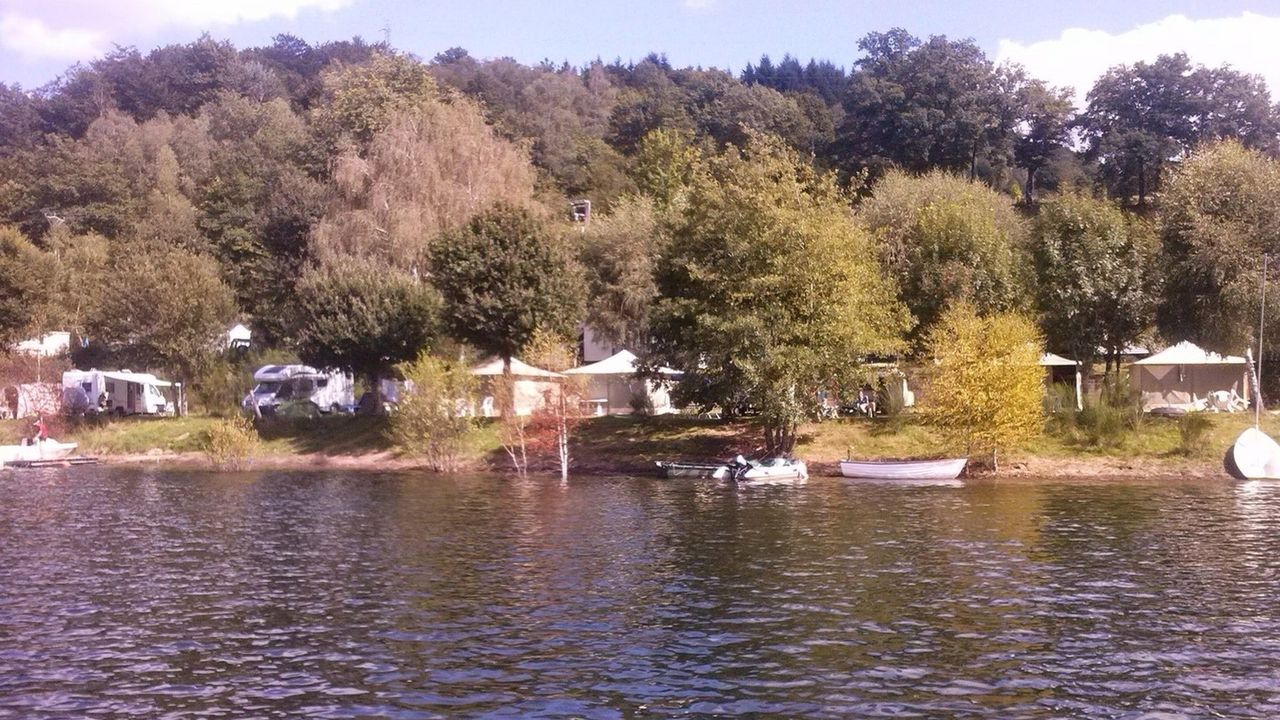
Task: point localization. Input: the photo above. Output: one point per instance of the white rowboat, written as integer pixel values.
(947, 469)
(777, 471)
(1254, 456)
(43, 450)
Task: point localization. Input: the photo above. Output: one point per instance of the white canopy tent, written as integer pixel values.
(1185, 375)
(1067, 372)
(612, 385)
(530, 386)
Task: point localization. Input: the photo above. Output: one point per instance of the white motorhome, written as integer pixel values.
(119, 392)
(277, 384)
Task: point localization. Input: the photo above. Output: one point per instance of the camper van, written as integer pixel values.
(119, 392)
(275, 385)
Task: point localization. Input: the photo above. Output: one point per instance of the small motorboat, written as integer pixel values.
(773, 471)
(945, 469)
(40, 450)
(687, 470)
(1254, 456)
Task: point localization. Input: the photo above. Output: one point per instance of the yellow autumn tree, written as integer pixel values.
(987, 391)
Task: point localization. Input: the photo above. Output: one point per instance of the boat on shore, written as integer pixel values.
(1253, 456)
(41, 450)
(944, 469)
(688, 470)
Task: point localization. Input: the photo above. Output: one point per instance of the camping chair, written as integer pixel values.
(712, 413)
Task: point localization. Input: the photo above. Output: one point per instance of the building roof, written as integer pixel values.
(518, 369)
(1051, 360)
(1188, 353)
(622, 362)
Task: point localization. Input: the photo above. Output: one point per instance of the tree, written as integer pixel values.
(1097, 281)
(665, 165)
(428, 172)
(945, 238)
(433, 418)
(361, 99)
(987, 389)
(170, 310)
(561, 410)
(1142, 116)
(768, 291)
(1219, 216)
(504, 276)
(364, 317)
(922, 105)
(617, 252)
(1045, 129)
(26, 287)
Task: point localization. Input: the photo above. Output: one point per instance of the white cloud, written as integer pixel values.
(1079, 56)
(80, 29)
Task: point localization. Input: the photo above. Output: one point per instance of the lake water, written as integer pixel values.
(162, 594)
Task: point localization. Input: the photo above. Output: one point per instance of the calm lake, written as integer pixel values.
(146, 593)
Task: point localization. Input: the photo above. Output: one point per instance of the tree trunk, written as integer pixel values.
(375, 387)
(1031, 186)
(1142, 182)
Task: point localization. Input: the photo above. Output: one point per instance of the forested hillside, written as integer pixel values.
(150, 199)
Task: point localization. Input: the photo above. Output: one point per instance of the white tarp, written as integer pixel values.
(530, 386)
(1185, 375)
(614, 389)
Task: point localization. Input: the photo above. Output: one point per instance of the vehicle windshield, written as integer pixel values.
(266, 388)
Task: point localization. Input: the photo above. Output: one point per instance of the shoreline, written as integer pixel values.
(1018, 469)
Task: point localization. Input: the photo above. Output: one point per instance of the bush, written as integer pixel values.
(433, 418)
(231, 443)
(1192, 430)
(1106, 421)
(889, 400)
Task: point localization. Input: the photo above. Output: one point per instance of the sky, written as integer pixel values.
(1065, 43)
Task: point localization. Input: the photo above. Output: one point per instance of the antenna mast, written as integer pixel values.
(1262, 320)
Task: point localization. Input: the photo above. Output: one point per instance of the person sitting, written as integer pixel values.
(39, 431)
(867, 401)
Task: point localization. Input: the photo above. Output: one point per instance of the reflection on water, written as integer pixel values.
(150, 594)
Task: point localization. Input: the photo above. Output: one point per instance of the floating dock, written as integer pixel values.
(61, 462)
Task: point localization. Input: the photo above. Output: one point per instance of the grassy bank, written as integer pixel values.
(625, 444)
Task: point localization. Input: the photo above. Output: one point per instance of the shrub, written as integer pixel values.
(433, 418)
(1192, 430)
(231, 443)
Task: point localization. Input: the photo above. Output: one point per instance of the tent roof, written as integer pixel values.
(622, 362)
(239, 332)
(521, 369)
(1187, 353)
(1051, 360)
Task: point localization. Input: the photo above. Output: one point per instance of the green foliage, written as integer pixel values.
(231, 443)
(948, 239)
(665, 165)
(1097, 275)
(768, 290)
(361, 99)
(363, 317)
(986, 394)
(504, 276)
(432, 419)
(1193, 429)
(1105, 422)
(617, 254)
(1220, 214)
(166, 308)
(27, 287)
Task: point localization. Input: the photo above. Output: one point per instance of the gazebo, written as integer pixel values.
(1185, 375)
(612, 385)
(530, 386)
(1061, 371)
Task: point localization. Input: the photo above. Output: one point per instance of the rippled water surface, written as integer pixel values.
(160, 594)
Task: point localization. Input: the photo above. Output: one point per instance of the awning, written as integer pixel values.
(1188, 353)
(518, 368)
(622, 362)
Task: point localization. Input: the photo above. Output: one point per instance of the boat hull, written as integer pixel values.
(45, 450)
(1254, 456)
(947, 469)
(692, 471)
(791, 473)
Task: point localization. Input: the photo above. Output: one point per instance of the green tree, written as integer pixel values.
(768, 290)
(946, 238)
(169, 310)
(1097, 282)
(433, 419)
(504, 276)
(1142, 115)
(666, 163)
(361, 99)
(1044, 131)
(27, 287)
(617, 253)
(1219, 216)
(987, 389)
(364, 317)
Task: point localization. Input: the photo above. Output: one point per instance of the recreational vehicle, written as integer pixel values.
(275, 385)
(119, 392)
